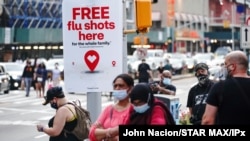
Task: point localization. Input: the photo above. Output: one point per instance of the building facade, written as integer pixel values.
(30, 28)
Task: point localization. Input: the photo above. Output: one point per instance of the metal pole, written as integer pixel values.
(232, 25)
(245, 14)
(173, 38)
(94, 100)
(244, 22)
(203, 29)
(125, 50)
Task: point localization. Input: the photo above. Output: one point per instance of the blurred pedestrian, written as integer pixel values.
(228, 101)
(164, 86)
(168, 66)
(144, 72)
(147, 109)
(160, 69)
(197, 95)
(56, 75)
(221, 74)
(107, 124)
(41, 77)
(28, 75)
(64, 118)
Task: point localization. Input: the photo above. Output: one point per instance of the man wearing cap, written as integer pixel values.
(197, 95)
(65, 117)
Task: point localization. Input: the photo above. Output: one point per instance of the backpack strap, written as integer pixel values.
(75, 116)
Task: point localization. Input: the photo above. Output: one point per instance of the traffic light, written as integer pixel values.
(154, 1)
(143, 14)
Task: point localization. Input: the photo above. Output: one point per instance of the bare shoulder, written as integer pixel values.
(67, 108)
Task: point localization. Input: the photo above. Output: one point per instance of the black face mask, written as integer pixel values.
(203, 79)
(54, 105)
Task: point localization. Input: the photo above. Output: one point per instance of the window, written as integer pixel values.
(156, 25)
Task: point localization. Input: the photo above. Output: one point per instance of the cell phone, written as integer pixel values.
(154, 84)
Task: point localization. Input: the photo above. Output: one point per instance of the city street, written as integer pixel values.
(20, 114)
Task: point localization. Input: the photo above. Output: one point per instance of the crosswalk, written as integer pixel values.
(17, 102)
(18, 98)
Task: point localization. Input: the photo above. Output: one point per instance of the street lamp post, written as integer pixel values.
(232, 24)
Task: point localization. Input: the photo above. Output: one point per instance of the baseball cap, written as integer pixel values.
(200, 66)
(53, 92)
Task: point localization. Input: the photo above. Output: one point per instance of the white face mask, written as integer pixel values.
(120, 94)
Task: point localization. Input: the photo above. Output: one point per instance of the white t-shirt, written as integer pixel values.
(56, 74)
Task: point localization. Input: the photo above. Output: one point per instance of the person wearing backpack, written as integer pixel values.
(64, 118)
(148, 110)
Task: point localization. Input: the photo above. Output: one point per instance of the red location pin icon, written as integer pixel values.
(113, 63)
(91, 58)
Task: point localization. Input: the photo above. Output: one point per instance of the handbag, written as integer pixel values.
(39, 79)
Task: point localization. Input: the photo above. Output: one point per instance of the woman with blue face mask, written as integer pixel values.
(145, 111)
(107, 125)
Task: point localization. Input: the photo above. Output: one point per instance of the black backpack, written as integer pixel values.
(169, 117)
(81, 131)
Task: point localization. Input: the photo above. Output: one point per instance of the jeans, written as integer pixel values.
(28, 83)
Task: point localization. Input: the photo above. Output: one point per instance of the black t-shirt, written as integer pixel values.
(170, 87)
(61, 137)
(233, 104)
(143, 69)
(160, 69)
(197, 99)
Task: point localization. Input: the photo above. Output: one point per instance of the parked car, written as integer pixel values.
(177, 64)
(222, 51)
(4, 80)
(190, 63)
(15, 71)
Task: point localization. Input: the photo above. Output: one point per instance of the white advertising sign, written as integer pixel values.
(93, 44)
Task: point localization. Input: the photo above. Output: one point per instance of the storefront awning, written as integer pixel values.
(187, 39)
(177, 16)
(201, 18)
(196, 18)
(206, 19)
(190, 17)
(184, 17)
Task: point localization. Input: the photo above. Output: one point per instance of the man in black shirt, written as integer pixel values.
(197, 95)
(144, 72)
(228, 101)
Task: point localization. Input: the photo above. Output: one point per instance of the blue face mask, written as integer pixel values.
(166, 81)
(119, 94)
(141, 109)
